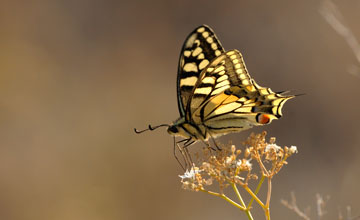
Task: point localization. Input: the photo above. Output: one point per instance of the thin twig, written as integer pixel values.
(320, 204)
(332, 15)
(293, 206)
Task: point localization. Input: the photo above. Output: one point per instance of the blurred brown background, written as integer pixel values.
(78, 76)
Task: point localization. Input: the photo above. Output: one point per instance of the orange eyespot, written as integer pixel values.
(263, 118)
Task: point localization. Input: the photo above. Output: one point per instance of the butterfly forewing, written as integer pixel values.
(199, 49)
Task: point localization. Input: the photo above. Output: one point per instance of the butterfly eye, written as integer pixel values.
(263, 118)
(173, 129)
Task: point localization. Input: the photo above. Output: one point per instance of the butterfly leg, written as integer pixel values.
(189, 142)
(184, 152)
(176, 145)
(216, 145)
(207, 144)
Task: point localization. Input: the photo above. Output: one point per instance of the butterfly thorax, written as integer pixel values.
(185, 129)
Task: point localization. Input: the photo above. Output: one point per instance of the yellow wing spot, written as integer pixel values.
(220, 90)
(245, 82)
(221, 72)
(239, 71)
(209, 40)
(201, 56)
(242, 99)
(271, 96)
(233, 56)
(204, 91)
(223, 83)
(251, 88)
(218, 69)
(252, 101)
(187, 53)
(214, 46)
(230, 52)
(237, 65)
(217, 53)
(235, 61)
(263, 92)
(209, 80)
(210, 69)
(242, 76)
(203, 64)
(205, 34)
(200, 30)
(197, 42)
(244, 110)
(189, 81)
(197, 51)
(251, 104)
(222, 78)
(190, 67)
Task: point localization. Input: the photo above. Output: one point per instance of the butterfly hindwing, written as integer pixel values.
(199, 49)
(226, 99)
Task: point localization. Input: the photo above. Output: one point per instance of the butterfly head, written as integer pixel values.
(173, 129)
(177, 128)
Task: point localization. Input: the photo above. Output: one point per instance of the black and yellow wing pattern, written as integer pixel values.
(216, 94)
(200, 47)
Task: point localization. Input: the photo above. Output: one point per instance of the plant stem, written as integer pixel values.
(256, 191)
(247, 211)
(267, 214)
(242, 208)
(267, 206)
(254, 196)
(269, 192)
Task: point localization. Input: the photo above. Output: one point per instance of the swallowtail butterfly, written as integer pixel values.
(215, 93)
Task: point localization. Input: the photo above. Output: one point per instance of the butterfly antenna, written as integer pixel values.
(284, 92)
(150, 128)
(287, 91)
(301, 94)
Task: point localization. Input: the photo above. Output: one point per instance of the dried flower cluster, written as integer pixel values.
(232, 167)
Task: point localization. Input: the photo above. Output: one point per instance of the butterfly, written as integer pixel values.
(215, 93)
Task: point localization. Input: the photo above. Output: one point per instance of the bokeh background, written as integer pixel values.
(78, 76)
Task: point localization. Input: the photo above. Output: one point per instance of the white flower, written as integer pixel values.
(274, 147)
(190, 174)
(248, 164)
(238, 163)
(293, 149)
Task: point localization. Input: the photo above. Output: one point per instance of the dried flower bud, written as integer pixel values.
(293, 150)
(272, 140)
(247, 152)
(233, 149)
